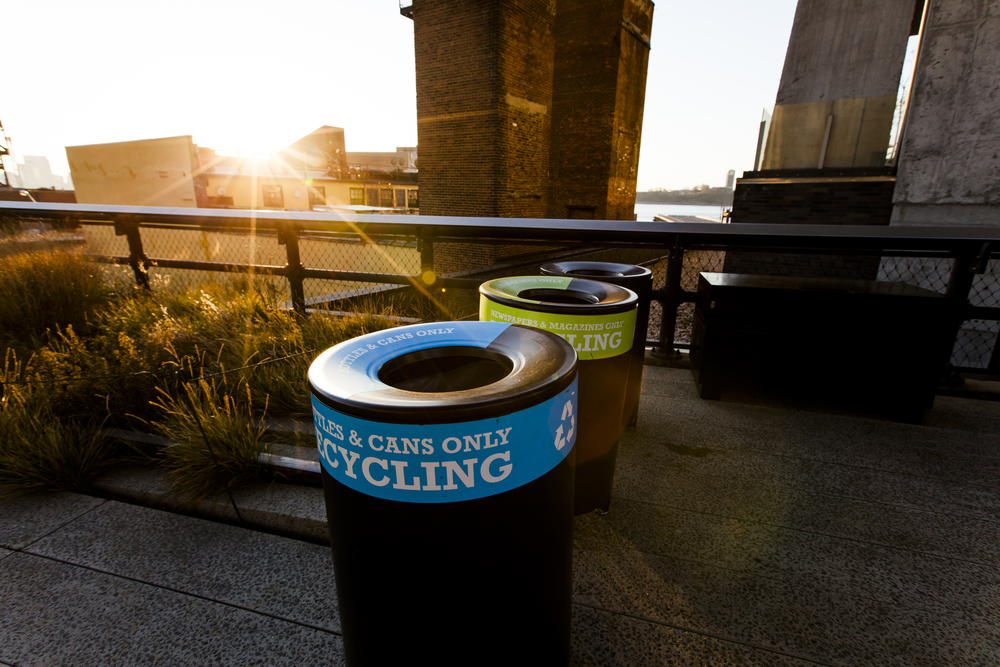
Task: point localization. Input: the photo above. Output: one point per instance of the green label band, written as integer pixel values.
(592, 336)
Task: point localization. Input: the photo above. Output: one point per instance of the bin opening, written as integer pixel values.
(443, 369)
(558, 296)
(592, 273)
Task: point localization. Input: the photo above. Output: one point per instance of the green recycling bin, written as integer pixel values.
(598, 320)
(447, 461)
(636, 278)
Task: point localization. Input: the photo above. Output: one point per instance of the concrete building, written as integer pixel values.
(825, 156)
(150, 172)
(825, 160)
(315, 171)
(837, 94)
(949, 163)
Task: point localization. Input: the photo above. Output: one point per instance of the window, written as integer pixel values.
(385, 197)
(357, 196)
(317, 196)
(400, 198)
(411, 199)
(272, 196)
(371, 195)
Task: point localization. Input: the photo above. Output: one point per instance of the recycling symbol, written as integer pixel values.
(567, 412)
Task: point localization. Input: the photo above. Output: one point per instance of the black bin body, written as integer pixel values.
(636, 278)
(598, 320)
(448, 476)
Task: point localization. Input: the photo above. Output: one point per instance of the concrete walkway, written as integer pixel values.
(748, 531)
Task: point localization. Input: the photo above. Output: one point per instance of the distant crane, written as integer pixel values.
(5, 150)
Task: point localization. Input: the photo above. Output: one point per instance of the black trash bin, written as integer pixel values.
(598, 320)
(636, 278)
(447, 462)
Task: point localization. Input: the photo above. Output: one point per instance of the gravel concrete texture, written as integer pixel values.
(273, 575)
(741, 532)
(60, 614)
(27, 518)
(606, 639)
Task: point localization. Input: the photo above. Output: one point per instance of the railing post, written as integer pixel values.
(288, 237)
(426, 247)
(428, 277)
(125, 225)
(669, 304)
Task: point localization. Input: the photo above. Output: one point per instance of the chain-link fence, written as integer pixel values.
(476, 260)
(974, 345)
(977, 338)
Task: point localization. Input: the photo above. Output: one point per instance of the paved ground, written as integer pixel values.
(748, 531)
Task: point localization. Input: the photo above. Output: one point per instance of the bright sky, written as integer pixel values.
(254, 77)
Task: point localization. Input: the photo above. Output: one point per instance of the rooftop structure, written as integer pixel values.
(174, 171)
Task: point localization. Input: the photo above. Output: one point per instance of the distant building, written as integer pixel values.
(403, 161)
(149, 172)
(731, 179)
(315, 171)
(36, 172)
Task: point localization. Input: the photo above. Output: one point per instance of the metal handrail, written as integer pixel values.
(616, 232)
(971, 247)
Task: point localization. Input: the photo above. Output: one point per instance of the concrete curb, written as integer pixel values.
(288, 510)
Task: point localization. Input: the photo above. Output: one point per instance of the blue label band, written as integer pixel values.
(446, 463)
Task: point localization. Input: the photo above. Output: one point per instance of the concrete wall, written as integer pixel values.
(151, 172)
(601, 58)
(865, 200)
(949, 164)
(844, 58)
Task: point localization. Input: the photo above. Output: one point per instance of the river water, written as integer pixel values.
(645, 212)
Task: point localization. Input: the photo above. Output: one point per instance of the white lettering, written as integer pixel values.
(484, 470)
(458, 445)
(503, 434)
(411, 446)
(371, 442)
(429, 469)
(468, 478)
(326, 454)
(366, 466)
(349, 459)
(400, 466)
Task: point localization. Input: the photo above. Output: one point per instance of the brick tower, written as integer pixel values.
(484, 101)
(601, 55)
